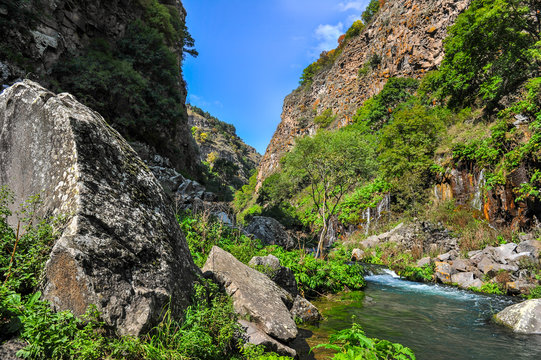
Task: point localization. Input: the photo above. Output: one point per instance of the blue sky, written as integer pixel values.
(252, 53)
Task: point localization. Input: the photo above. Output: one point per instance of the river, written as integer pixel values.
(435, 321)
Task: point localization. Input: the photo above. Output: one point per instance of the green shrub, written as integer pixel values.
(325, 119)
(379, 109)
(354, 30)
(203, 232)
(490, 50)
(352, 343)
(370, 11)
(366, 196)
(317, 276)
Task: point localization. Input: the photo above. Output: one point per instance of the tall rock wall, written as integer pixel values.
(122, 249)
(218, 141)
(37, 35)
(406, 37)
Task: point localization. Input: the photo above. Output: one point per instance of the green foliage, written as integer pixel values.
(166, 19)
(325, 119)
(366, 196)
(370, 11)
(317, 276)
(490, 50)
(379, 109)
(491, 288)
(352, 344)
(244, 200)
(326, 59)
(23, 251)
(320, 161)
(221, 126)
(408, 143)
(203, 232)
(485, 152)
(414, 273)
(133, 84)
(207, 331)
(354, 30)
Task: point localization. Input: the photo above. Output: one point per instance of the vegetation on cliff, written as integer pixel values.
(480, 110)
(227, 160)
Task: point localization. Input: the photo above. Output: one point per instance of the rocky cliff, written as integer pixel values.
(221, 148)
(85, 47)
(403, 39)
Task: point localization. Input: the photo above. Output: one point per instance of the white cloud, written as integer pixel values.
(352, 5)
(327, 36)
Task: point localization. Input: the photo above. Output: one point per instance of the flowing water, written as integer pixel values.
(437, 322)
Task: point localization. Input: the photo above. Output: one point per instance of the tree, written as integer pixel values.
(370, 11)
(331, 163)
(491, 50)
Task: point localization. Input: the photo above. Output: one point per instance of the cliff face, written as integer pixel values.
(40, 35)
(220, 146)
(404, 39)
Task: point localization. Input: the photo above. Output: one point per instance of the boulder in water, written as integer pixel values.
(122, 249)
(524, 318)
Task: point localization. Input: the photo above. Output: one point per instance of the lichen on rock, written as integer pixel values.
(122, 249)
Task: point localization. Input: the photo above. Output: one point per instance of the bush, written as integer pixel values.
(354, 30)
(491, 49)
(316, 277)
(379, 110)
(354, 344)
(325, 119)
(370, 11)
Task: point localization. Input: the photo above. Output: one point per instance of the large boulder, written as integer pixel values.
(305, 311)
(122, 248)
(270, 231)
(524, 317)
(281, 275)
(253, 294)
(257, 337)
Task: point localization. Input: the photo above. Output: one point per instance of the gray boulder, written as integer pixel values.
(503, 252)
(357, 254)
(253, 294)
(531, 246)
(443, 272)
(270, 231)
(122, 248)
(424, 261)
(255, 336)
(524, 317)
(466, 280)
(281, 275)
(8, 350)
(305, 310)
(450, 255)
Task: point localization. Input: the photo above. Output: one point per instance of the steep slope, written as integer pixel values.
(221, 148)
(121, 58)
(403, 39)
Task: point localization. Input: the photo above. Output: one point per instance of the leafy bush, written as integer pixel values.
(133, 84)
(354, 344)
(23, 251)
(492, 48)
(325, 119)
(203, 232)
(366, 196)
(354, 30)
(378, 110)
(317, 276)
